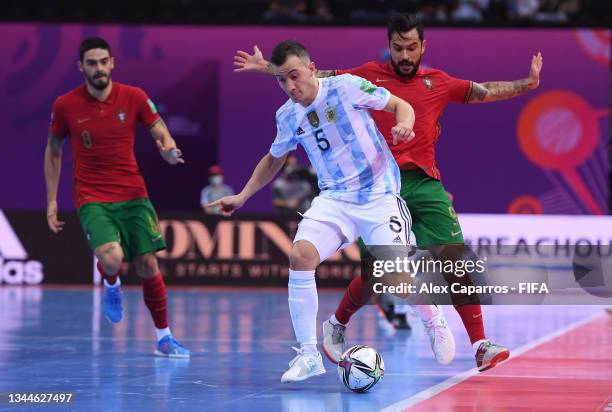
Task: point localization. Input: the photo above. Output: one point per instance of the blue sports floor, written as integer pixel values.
(57, 340)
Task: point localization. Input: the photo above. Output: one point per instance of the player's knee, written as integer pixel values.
(146, 265)
(110, 256)
(303, 256)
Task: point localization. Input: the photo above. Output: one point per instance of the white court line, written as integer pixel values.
(436, 389)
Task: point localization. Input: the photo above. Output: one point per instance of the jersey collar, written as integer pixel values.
(389, 68)
(110, 100)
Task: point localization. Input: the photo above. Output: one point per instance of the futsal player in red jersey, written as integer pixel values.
(435, 222)
(99, 118)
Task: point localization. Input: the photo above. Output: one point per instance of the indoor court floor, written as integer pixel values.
(56, 339)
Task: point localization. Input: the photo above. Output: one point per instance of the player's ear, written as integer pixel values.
(80, 64)
(311, 67)
(112, 62)
(423, 45)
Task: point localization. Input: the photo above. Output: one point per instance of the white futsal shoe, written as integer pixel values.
(305, 365)
(440, 337)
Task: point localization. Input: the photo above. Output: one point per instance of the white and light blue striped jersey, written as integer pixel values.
(351, 157)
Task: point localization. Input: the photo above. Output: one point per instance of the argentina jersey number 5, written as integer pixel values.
(313, 119)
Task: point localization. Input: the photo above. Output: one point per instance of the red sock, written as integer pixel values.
(351, 301)
(154, 292)
(109, 279)
(471, 316)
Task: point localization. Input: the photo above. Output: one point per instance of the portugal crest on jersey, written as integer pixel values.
(428, 82)
(313, 119)
(121, 116)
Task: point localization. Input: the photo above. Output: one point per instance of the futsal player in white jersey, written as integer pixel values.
(358, 178)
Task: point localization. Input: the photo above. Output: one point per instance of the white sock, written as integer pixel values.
(477, 344)
(335, 321)
(116, 285)
(309, 347)
(303, 305)
(401, 309)
(426, 312)
(162, 332)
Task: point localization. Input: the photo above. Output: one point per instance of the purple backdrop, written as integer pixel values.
(524, 154)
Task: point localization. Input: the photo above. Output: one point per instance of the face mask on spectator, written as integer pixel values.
(216, 180)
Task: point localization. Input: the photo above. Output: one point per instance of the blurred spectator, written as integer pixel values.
(523, 9)
(214, 191)
(369, 10)
(470, 10)
(293, 190)
(321, 12)
(558, 10)
(476, 12)
(434, 10)
(286, 10)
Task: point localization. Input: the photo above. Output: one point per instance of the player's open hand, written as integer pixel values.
(172, 155)
(54, 224)
(401, 133)
(534, 71)
(227, 204)
(245, 62)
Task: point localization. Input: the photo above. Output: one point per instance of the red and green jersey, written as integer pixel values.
(102, 138)
(429, 91)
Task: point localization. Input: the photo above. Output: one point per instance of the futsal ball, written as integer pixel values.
(360, 368)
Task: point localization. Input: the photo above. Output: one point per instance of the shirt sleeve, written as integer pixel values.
(204, 197)
(285, 140)
(458, 89)
(360, 71)
(364, 94)
(147, 111)
(58, 125)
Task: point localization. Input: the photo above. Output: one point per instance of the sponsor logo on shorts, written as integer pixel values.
(397, 240)
(457, 233)
(299, 131)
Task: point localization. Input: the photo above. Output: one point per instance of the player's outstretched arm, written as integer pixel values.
(165, 143)
(404, 115)
(245, 62)
(494, 91)
(266, 169)
(53, 167)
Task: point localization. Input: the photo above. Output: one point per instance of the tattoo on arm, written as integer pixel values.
(55, 143)
(326, 73)
(494, 91)
(477, 93)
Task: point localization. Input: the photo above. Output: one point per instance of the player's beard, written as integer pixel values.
(99, 83)
(411, 73)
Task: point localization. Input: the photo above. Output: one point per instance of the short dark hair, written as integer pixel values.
(93, 43)
(401, 23)
(288, 48)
